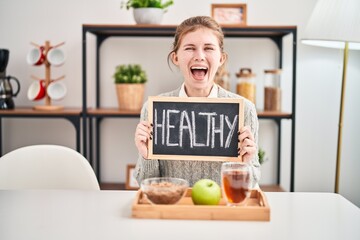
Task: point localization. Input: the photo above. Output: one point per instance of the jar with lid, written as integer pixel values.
(246, 84)
(272, 90)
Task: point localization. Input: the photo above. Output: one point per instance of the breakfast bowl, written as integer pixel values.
(164, 190)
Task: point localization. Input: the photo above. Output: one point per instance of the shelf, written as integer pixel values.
(274, 115)
(169, 30)
(73, 115)
(111, 112)
(103, 31)
(115, 112)
(29, 111)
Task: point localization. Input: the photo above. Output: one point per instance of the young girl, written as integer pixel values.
(198, 52)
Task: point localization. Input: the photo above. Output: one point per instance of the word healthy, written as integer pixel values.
(177, 127)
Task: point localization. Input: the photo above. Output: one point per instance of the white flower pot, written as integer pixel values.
(148, 15)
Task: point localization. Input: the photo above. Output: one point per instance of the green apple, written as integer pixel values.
(206, 192)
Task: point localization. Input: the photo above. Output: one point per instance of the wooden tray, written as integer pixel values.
(256, 209)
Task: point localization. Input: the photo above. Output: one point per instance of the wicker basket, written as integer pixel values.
(130, 95)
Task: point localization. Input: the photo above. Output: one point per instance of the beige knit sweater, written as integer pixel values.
(195, 170)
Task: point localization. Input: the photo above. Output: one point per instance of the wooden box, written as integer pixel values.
(256, 208)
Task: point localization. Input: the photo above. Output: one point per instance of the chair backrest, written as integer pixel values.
(46, 167)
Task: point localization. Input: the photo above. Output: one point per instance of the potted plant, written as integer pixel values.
(130, 86)
(261, 155)
(148, 11)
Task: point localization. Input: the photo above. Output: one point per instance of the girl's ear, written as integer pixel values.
(174, 58)
(223, 58)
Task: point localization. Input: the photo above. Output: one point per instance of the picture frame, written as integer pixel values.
(131, 183)
(229, 14)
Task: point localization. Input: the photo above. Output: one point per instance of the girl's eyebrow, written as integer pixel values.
(191, 44)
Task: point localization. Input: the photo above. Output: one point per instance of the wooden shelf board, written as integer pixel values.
(112, 111)
(274, 114)
(112, 186)
(272, 188)
(164, 26)
(169, 30)
(104, 112)
(116, 111)
(32, 112)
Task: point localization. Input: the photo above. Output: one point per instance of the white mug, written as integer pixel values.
(56, 57)
(36, 56)
(56, 90)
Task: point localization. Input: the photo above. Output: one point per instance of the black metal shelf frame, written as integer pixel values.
(73, 119)
(102, 32)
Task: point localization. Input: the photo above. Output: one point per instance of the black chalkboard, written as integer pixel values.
(195, 128)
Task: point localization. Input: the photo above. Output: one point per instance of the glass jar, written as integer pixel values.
(272, 90)
(222, 77)
(246, 84)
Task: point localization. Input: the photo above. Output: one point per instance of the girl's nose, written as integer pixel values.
(199, 55)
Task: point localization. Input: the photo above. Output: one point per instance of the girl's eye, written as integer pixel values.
(209, 48)
(189, 48)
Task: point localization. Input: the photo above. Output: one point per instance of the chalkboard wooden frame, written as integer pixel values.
(174, 100)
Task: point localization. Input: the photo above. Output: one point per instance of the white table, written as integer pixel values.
(58, 214)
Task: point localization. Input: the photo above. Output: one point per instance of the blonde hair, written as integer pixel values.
(192, 24)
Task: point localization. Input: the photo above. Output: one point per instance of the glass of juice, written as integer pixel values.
(236, 182)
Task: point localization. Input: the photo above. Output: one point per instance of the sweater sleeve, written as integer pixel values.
(251, 120)
(145, 168)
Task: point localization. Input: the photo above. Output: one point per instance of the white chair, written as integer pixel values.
(46, 167)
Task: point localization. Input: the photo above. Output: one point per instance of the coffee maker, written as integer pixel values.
(6, 91)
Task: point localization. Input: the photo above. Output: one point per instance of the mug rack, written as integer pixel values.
(48, 80)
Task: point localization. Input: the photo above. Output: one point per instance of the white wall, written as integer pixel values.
(318, 84)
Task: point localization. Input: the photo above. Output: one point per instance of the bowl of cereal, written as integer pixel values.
(164, 190)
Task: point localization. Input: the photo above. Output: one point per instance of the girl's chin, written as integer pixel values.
(199, 85)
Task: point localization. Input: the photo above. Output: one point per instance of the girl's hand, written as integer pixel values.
(142, 134)
(247, 146)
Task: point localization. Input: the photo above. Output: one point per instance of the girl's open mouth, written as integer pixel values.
(199, 72)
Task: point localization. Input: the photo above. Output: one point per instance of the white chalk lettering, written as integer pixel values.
(232, 128)
(157, 125)
(184, 115)
(219, 130)
(196, 144)
(208, 125)
(175, 123)
(169, 126)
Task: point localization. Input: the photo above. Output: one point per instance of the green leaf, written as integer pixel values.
(261, 154)
(147, 3)
(131, 73)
